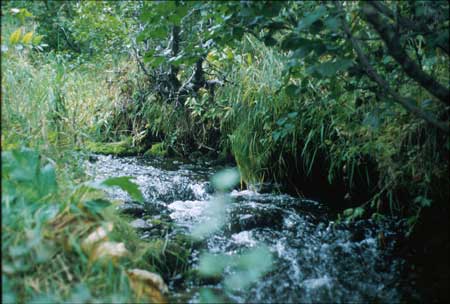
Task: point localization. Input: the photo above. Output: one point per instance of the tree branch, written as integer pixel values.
(407, 103)
(386, 31)
(141, 64)
(175, 48)
(407, 23)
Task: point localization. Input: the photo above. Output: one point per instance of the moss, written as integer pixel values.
(119, 148)
(157, 149)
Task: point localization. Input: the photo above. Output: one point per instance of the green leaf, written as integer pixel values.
(276, 135)
(289, 127)
(141, 36)
(310, 18)
(292, 115)
(125, 184)
(330, 68)
(226, 179)
(80, 294)
(251, 266)
(24, 164)
(292, 90)
(37, 39)
(372, 121)
(348, 212)
(47, 180)
(156, 32)
(154, 61)
(423, 201)
(213, 264)
(358, 212)
(333, 23)
(96, 206)
(281, 121)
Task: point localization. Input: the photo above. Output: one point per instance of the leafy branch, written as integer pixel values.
(407, 103)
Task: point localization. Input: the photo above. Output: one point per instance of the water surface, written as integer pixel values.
(315, 260)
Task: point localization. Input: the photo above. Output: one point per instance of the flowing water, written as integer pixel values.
(315, 260)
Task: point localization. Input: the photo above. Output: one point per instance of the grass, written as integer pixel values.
(53, 107)
(51, 104)
(376, 146)
(44, 226)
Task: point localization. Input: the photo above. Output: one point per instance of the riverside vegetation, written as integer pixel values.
(345, 102)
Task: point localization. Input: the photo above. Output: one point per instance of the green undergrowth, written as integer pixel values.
(53, 111)
(46, 219)
(45, 225)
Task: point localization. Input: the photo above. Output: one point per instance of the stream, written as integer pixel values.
(314, 259)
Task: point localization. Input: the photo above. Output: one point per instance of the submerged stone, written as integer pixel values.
(247, 217)
(140, 224)
(132, 209)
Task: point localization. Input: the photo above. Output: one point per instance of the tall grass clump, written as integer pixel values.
(254, 104)
(48, 102)
(289, 128)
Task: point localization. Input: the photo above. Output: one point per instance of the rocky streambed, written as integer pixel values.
(314, 259)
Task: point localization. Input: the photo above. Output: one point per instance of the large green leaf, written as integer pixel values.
(22, 175)
(226, 179)
(125, 183)
(330, 68)
(292, 90)
(310, 18)
(294, 41)
(22, 165)
(47, 180)
(213, 264)
(96, 206)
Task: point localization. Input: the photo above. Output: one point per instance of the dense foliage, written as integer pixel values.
(344, 101)
(356, 90)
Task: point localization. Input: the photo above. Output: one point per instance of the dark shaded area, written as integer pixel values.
(427, 252)
(337, 195)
